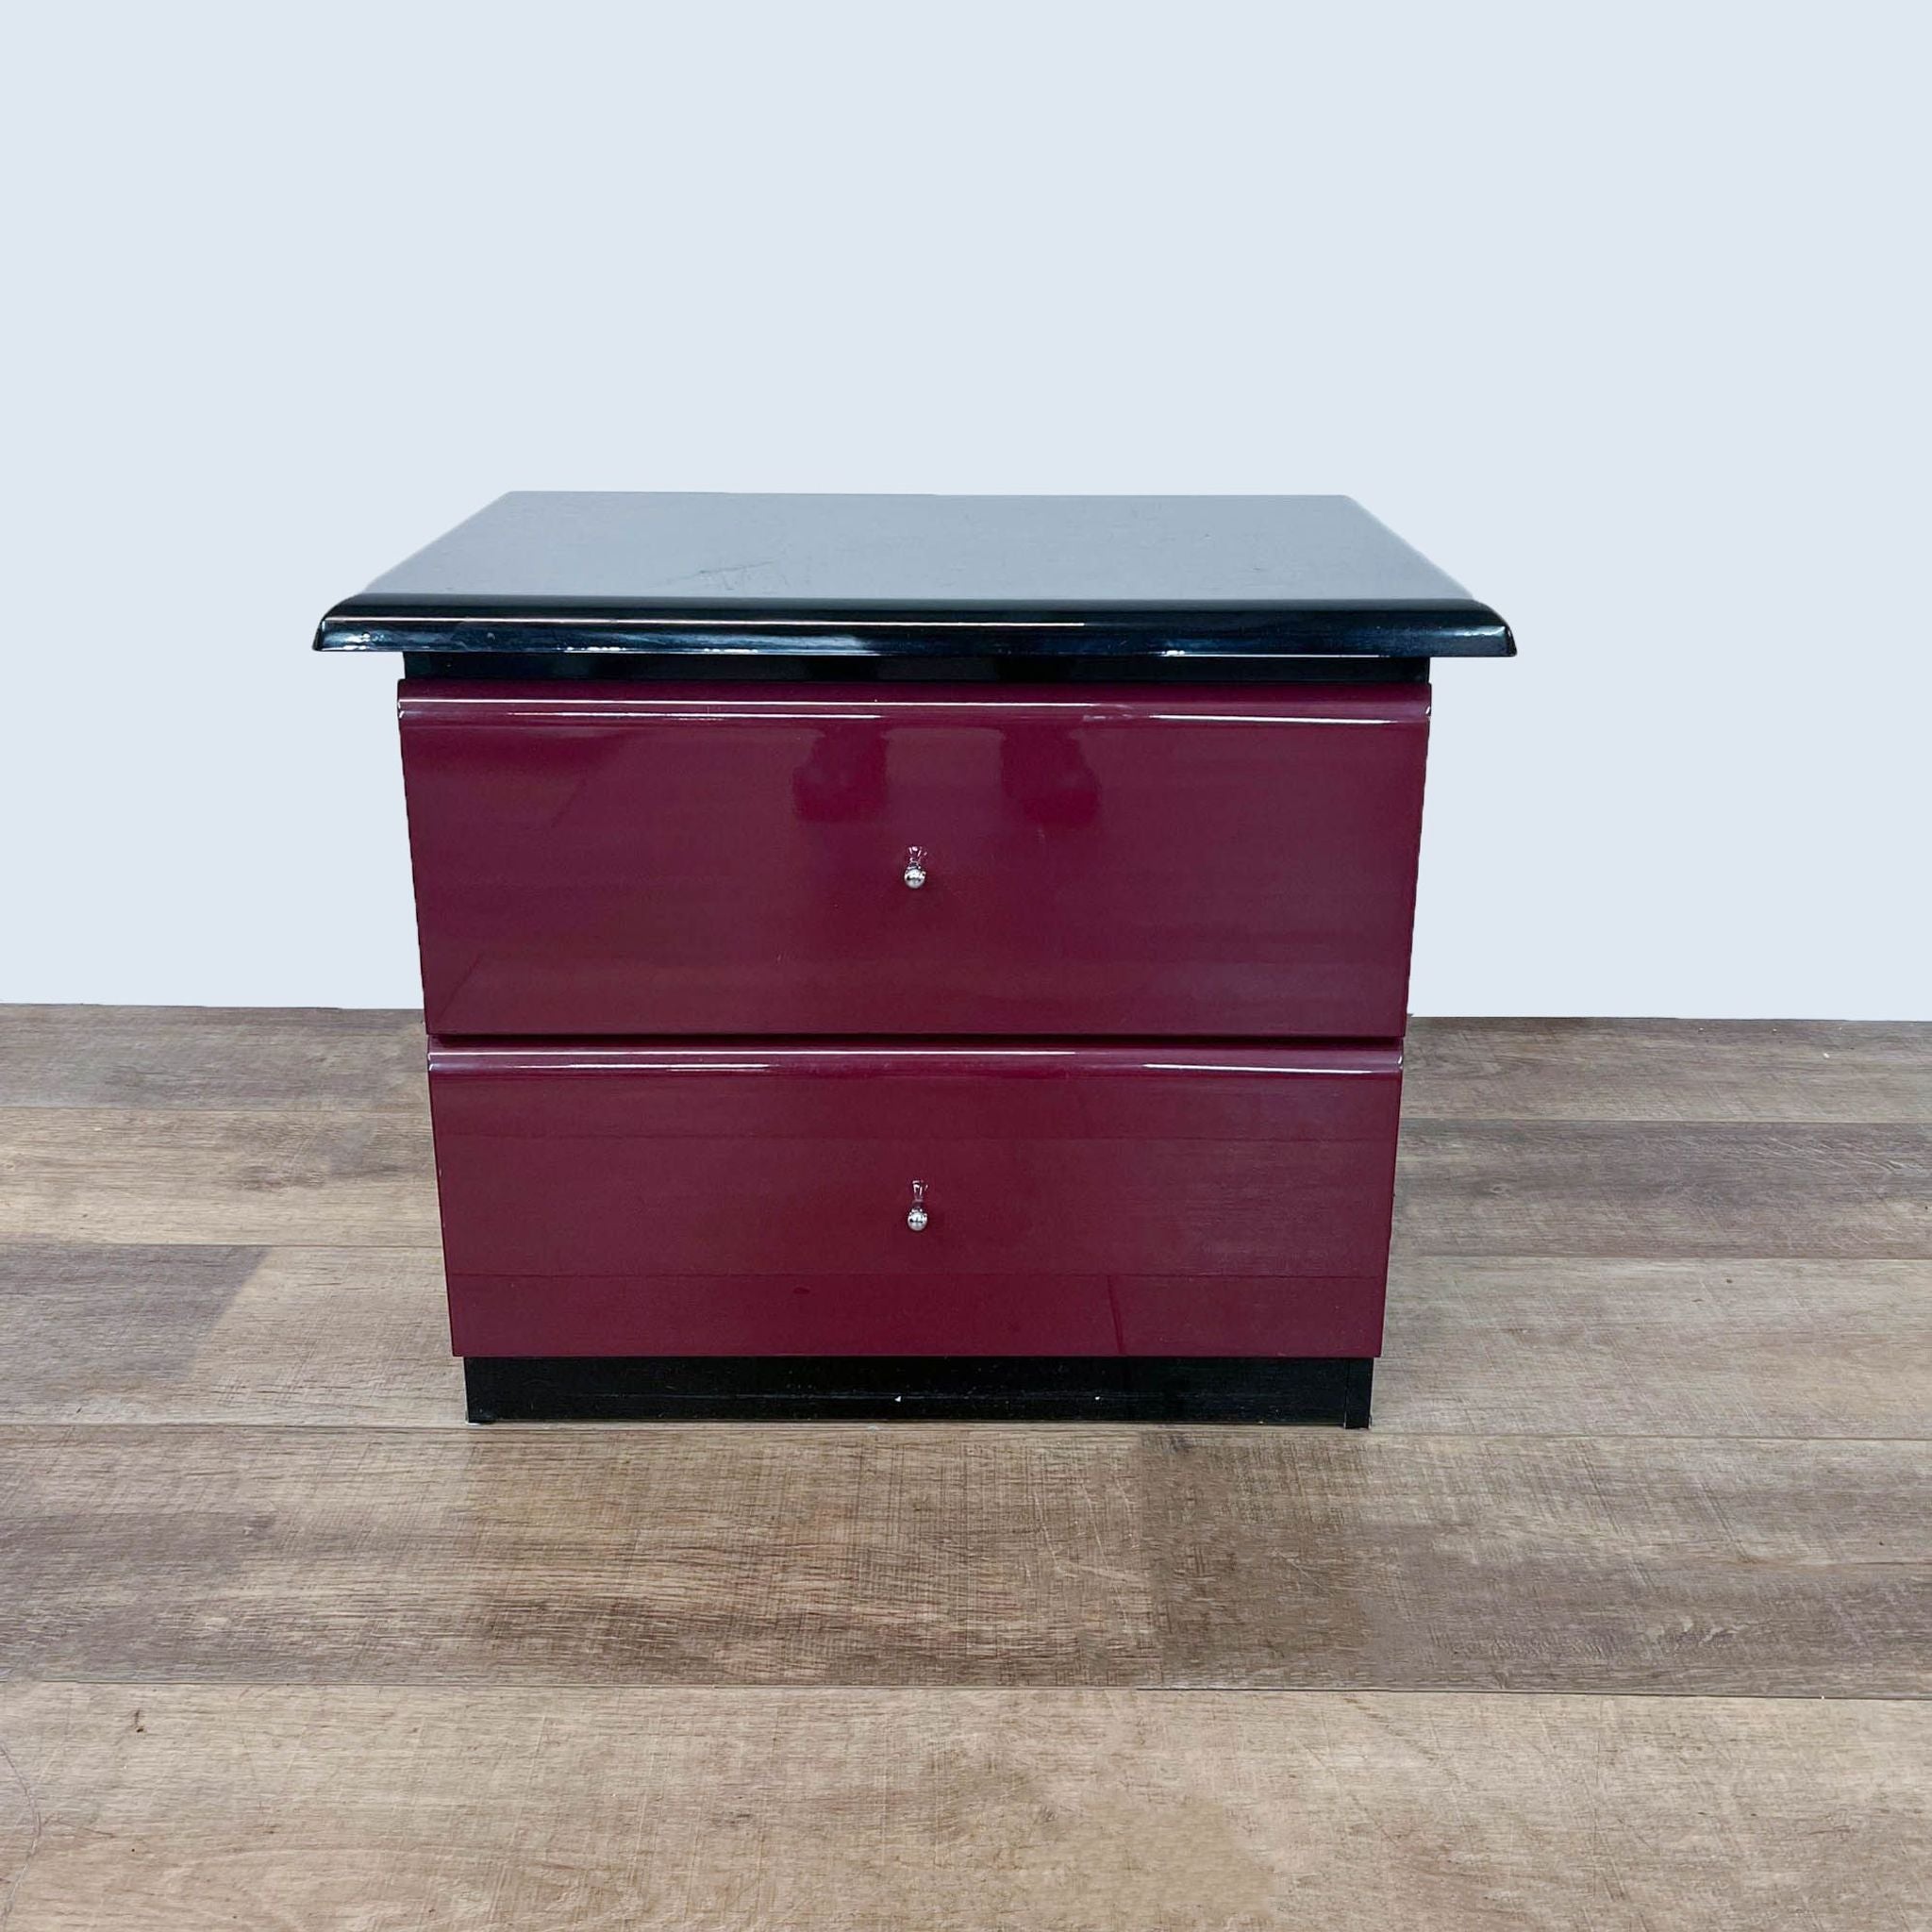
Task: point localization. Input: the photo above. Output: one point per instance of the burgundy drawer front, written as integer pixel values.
(616, 861)
(752, 1199)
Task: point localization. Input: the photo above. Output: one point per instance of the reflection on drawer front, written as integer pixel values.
(598, 859)
(1051, 1199)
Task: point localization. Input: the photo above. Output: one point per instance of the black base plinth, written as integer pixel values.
(1044, 1388)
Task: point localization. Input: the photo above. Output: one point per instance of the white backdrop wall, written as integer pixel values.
(1619, 312)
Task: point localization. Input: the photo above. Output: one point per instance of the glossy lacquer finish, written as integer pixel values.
(1114, 861)
(1017, 580)
(753, 1198)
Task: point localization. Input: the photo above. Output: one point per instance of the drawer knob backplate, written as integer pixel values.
(915, 866)
(916, 1216)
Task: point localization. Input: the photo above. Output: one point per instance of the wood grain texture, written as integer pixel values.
(679, 1554)
(976, 1678)
(1859, 1071)
(300, 1060)
(716, 1554)
(1477, 1345)
(1760, 1568)
(124, 1333)
(331, 1179)
(1665, 1190)
(1507, 1345)
(171, 1809)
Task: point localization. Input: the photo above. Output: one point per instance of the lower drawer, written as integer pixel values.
(762, 1199)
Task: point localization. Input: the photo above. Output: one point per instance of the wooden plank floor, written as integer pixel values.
(1619, 1617)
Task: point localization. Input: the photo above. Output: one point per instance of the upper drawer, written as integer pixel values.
(628, 859)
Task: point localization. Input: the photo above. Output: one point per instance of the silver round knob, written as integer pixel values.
(915, 866)
(916, 1216)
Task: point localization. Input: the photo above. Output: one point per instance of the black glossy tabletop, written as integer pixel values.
(543, 573)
